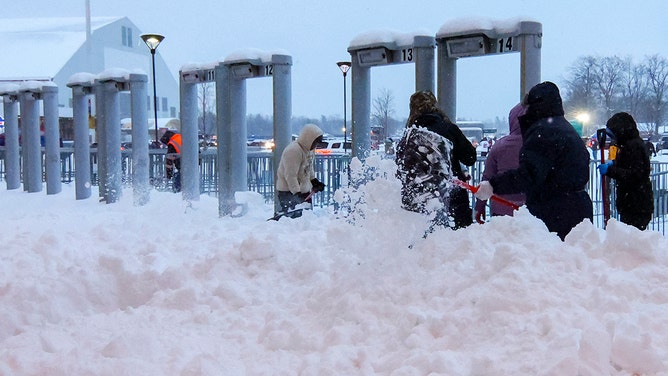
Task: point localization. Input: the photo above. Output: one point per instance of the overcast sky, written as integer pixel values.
(317, 34)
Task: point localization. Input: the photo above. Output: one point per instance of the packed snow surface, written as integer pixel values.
(171, 288)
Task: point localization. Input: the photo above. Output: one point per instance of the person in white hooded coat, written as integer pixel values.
(296, 175)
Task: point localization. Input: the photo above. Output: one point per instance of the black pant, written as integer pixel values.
(459, 207)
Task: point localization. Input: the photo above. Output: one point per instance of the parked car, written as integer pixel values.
(663, 142)
(334, 147)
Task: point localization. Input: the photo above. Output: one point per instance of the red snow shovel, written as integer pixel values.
(601, 136)
(496, 198)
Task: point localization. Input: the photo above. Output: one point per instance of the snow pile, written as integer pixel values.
(171, 289)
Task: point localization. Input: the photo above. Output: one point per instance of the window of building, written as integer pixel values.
(126, 36)
(130, 37)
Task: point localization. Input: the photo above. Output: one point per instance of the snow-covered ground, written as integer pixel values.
(172, 289)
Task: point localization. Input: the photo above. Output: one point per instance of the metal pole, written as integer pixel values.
(345, 121)
(155, 99)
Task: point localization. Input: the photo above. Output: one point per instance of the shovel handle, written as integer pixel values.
(496, 198)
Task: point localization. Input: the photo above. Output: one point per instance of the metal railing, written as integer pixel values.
(328, 170)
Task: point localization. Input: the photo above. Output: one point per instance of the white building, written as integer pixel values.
(56, 48)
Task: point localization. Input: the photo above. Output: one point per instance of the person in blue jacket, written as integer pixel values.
(630, 169)
(553, 170)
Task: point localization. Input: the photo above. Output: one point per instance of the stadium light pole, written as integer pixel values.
(344, 66)
(152, 41)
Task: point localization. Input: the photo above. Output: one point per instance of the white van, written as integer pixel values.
(334, 147)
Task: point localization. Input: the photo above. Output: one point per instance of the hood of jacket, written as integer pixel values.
(542, 101)
(514, 118)
(307, 135)
(623, 127)
(428, 119)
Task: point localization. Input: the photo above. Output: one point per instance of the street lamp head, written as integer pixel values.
(583, 117)
(344, 66)
(152, 40)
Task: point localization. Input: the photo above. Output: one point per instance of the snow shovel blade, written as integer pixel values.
(290, 214)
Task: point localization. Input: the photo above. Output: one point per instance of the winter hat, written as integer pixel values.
(623, 126)
(544, 100)
(422, 101)
(166, 136)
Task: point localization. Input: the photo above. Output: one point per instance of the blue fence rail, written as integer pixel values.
(328, 170)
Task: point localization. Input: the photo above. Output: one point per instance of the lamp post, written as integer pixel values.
(152, 41)
(344, 66)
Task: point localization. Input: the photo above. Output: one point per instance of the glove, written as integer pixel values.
(318, 186)
(603, 168)
(480, 216)
(485, 191)
(301, 197)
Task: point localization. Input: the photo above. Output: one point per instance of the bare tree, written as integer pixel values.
(206, 96)
(580, 87)
(656, 68)
(634, 86)
(383, 109)
(607, 75)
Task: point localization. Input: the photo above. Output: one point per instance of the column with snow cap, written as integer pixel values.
(51, 139)
(140, 158)
(189, 78)
(380, 48)
(282, 73)
(10, 101)
(82, 87)
(464, 38)
(111, 83)
(29, 93)
(231, 107)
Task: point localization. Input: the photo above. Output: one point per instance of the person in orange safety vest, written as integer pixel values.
(173, 158)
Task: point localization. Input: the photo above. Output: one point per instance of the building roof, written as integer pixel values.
(39, 47)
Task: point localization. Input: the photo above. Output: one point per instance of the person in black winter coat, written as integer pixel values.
(554, 165)
(630, 169)
(429, 155)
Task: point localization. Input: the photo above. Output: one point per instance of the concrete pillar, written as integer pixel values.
(360, 108)
(51, 139)
(140, 157)
(100, 139)
(425, 63)
(282, 112)
(447, 82)
(30, 141)
(222, 73)
(190, 187)
(81, 142)
(113, 189)
(12, 150)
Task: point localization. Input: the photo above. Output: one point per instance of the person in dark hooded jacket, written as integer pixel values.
(554, 165)
(429, 155)
(630, 169)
